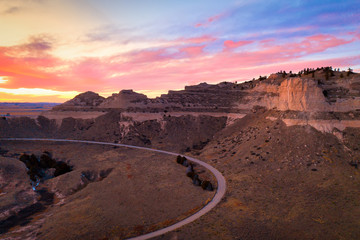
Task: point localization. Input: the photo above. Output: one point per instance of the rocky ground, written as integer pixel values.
(110, 193)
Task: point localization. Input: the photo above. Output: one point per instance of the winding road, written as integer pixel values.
(216, 199)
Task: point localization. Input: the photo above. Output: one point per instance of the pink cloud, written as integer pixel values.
(194, 40)
(215, 18)
(319, 43)
(232, 44)
(211, 20)
(199, 25)
(192, 51)
(294, 29)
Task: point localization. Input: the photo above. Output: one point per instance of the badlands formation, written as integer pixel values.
(288, 146)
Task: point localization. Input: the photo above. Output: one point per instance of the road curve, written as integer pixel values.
(216, 199)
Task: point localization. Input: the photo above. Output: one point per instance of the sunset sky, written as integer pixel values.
(52, 50)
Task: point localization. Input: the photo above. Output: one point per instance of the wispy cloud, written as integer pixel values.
(231, 44)
(211, 20)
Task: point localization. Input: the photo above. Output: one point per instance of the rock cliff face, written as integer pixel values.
(310, 95)
(293, 94)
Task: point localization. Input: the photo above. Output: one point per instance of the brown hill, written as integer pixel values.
(84, 100)
(124, 99)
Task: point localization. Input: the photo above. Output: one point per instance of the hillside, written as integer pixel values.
(282, 183)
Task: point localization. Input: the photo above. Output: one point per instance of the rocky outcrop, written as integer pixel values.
(124, 99)
(308, 95)
(84, 100)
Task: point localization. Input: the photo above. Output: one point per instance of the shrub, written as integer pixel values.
(61, 168)
(206, 185)
(325, 93)
(33, 160)
(46, 161)
(190, 174)
(190, 168)
(182, 160)
(25, 158)
(179, 159)
(196, 182)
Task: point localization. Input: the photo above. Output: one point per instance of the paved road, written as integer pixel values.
(216, 199)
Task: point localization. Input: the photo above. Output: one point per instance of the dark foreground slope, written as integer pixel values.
(283, 183)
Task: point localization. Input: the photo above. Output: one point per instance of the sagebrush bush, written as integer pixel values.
(206, 185)
(190, 175)
(179, 159)
(196, 180)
